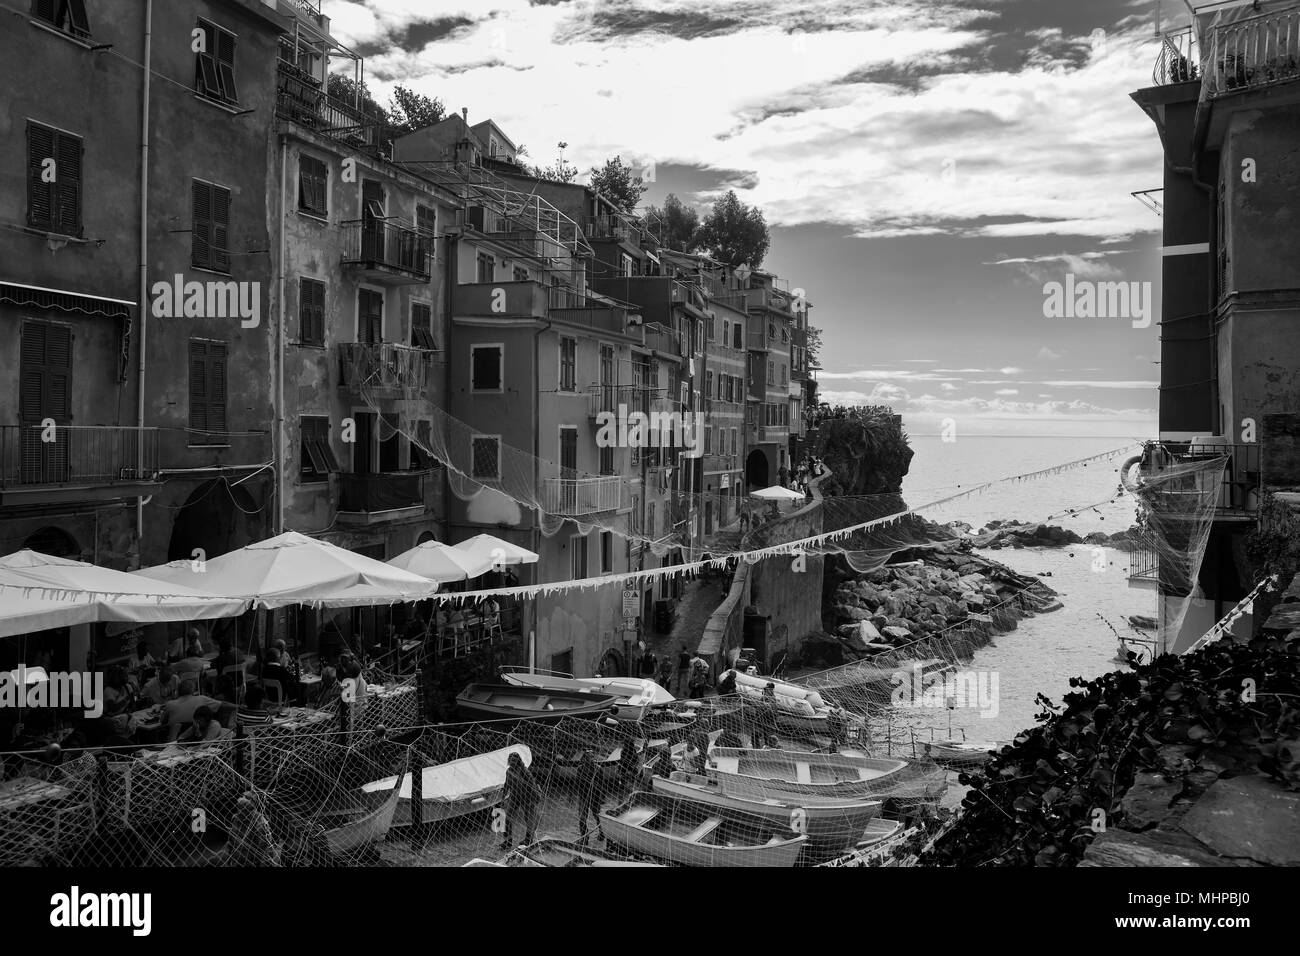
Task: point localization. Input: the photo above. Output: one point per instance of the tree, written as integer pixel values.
(617, 183)
(814, 347)
(560, 171)
(409, 110)
(355, 95)
(676, 224)
(734, 232)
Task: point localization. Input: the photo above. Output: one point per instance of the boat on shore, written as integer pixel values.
(830, 825)
(791, 774)
(367, 826)
(633, 695)
(452, 789)
(507, 701)
(691, 834)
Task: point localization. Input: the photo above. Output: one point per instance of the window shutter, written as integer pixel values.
(220, 229)
(78, 22)
(68, 151)
(201, 225)
(217, 386)
(32, 389)
(40, 195)
(226, 65)
(198, 385)
(47, 10)
(205, 64)
(58, 373)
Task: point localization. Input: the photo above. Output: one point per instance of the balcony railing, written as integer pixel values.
(582, 496)
(76, 455)
(613, 226)
(1253, 53)
(609, 398)
(371, 494)
(383, 366)
(1242, 478)
(1177, 60)
(1143, 566)
(665, 340)
(386, 251)
(300, 99)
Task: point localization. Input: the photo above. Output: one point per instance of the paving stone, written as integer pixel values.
(1250, 817)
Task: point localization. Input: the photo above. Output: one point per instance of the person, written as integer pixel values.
(628, 766)
(204, 727)
(191, 645)
(274, 670)
(744, 518)
(227, 684)
(522, 796)
(683, 671)
(589, 793)
(783, 475)
(163, 686)
(765, 718)
(727, 685)
(699, 676)
(328, 690)
(192, 663)
(117, 698)
(665, 672)
(649, 663)
(143, 660)
(287, 660)
(838, 725)
(663, 767)
(251, 711)
(252, 842)
(693, 758)
(179, 713)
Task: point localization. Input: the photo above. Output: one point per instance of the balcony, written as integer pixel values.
(665, 341)
(514, 299)
(371, 499)
(1143, 568)
(1251, 54)
(610, 398)
(714, 463)
(386, 253)
(383, 367)
(593, 315)
(76, 463)
(1239, 493)
(613, 226)
(300, 99)
(756, 339)
(574, 497)
(1177, 60)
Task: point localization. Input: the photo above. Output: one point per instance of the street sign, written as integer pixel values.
(631, 603)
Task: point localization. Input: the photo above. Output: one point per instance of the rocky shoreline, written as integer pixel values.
(1021, 534)
(944, 601)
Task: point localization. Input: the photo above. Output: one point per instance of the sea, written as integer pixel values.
(1046, 650)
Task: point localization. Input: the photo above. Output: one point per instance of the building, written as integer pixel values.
(1226, 104)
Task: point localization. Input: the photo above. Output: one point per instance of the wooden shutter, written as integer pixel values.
(198, 385)
(67, 186)
(201, 225)
(78, 22)
(220, 229)
(422, 325)
(225, 57)
(206, 80)
(32, 388)
(40, 195)
(311, 311)
(47, 10)
(217, 386)
(45, 389)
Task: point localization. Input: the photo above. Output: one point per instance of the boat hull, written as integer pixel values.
(371, 828)
(793, 775)
(830, 827)
(679, 832)
(452, 789)
(511, 702)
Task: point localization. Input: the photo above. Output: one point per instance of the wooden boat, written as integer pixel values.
(498, 701)
(550, 852)
(452, 789)
(792, 774)
(691, 834)
(878, 831)
(830, 826)
(634, 695)
(957, 754)
(367, 828)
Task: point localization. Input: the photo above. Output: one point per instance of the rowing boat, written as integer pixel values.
(455, 788)
(791, 774)
(498, 701)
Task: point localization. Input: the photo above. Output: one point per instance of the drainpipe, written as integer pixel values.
(279, 347)
(537, 472)
(144, 268)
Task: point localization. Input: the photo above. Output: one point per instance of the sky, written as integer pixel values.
(926, 167)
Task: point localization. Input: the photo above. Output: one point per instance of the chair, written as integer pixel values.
(274, 691)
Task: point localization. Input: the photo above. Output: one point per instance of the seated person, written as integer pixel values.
(179, 713)
(142, 660)
(251, 711)
(287, 660)
(193, 664)
(274, 669)
(204, 727)
(227, 684)
(328, 690)
(191, 645)
(162, 687)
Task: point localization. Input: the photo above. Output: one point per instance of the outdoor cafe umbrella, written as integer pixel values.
(497, 551)
(292, 568)
(441, 562)
(777, 493)
(40, 591)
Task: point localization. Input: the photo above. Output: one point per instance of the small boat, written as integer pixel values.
(453, 789)
(1143, 622)
(367, 828)
(878, 831)
(793, 774)
(498, 701)
(634, 695)
(956, 754)
(691, 834)
(550, 852)
(830, 826)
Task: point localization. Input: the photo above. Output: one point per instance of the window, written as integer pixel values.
(485, 452)
(53, 180)
(313, 178)
(568, 364)
(66, 15)
(214, 65)
(487, 368)
(426, 220)
(625, 265)
(713, 328)
(737, 335)
(708, 384)
(726, 332)
(520, 274)
(311, 312)
(487, 267)
(210, 226)
(650, 521)
(45, 374)
(785, 334)
(771, 373)
(606, 552)
(578, 556)
(607, 460)
(422, 326)
(562, 663)
(735, 442)
(370, 316)
(316, 458)
(708, 441)
(784, 379)
(421, 459)
(207, 392)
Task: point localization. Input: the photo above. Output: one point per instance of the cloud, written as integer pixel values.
(1047, 355)
(1088, 265)
(1007, 391)
(1100, 383)
(948, 387)
(999, 408)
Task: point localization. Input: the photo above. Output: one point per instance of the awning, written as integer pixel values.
(61, 300)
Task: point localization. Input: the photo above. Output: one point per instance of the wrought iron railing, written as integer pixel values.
(1253, 53)
(1242, 483)
(387, 246)
(383, 365)
(610, 398)
(76, 454)
(582, 496)
(1177, 60)
(367, 494)
(1143, 566)
(300, 99)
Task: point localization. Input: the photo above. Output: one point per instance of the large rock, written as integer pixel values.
(855, 613)
(1148, 801)
(897, 633)
(1153, 848)
(1248, 818)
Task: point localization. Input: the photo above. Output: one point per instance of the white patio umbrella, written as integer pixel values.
(441, 562)
(40, 591)
(497, 551)
(777, 493)
(292, 568)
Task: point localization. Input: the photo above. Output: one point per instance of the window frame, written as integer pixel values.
(415, 338)
(304, 176)
(315, 450)
(63, 10)
(211, 59)
(218, 254)
(473, 458)
(568, 363)
(574, 540)
(203, 430)
(501, 368)
(303, 328)
(57, 193)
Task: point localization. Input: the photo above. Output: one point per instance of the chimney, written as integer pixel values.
(464, 114)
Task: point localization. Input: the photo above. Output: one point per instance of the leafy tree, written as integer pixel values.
(560, 171)
(618, 184)
(356, 95)
(814, 347)
(410, 110)
(734, 232)
(676, 224)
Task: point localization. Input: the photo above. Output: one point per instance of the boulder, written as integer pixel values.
(856, 614)
(897, 634)
(1248, 818)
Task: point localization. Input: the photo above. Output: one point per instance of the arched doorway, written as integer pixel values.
(53, 541)
(215, 519)
(425, 536)
(611, 664)
(756, 470)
